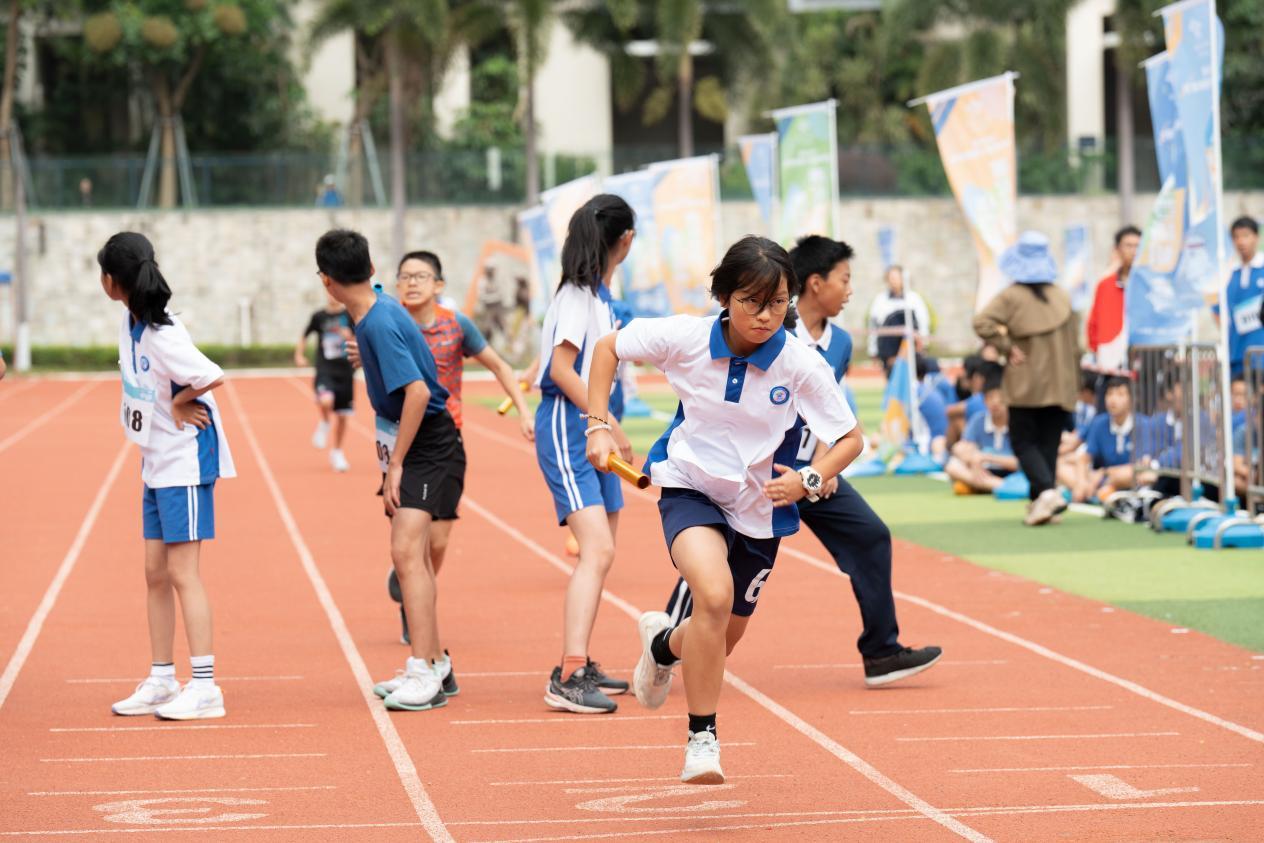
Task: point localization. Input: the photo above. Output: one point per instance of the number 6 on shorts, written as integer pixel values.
(752, 592)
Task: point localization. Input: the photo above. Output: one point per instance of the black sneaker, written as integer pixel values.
(900, 665)
(450, 688)
(392, 587)
(608, 685)
(579, 693)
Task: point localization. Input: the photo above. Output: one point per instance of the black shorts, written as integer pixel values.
(341, 386)
(434, 469)
(750, 560)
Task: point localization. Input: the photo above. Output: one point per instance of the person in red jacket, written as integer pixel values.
(1105, 324)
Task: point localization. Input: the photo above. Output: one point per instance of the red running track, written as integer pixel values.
(1050, 717)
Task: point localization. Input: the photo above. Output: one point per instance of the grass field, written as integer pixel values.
(1128, 566)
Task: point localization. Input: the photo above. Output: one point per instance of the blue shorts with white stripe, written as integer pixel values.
(559, 448)
(177, 514)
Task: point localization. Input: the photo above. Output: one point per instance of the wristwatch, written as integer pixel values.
(812, 483)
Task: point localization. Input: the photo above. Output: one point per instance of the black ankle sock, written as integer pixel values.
(702, 723)
(661, 651)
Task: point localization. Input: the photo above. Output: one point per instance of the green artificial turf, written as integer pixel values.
(1220, 593)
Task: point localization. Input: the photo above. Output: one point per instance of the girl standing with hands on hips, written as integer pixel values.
(597, 240)
(746, 388)
(169, 413)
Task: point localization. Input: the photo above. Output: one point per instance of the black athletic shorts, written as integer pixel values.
(341, 386)
(434, 469)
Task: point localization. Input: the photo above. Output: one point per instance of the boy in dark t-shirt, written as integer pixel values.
(334, 385)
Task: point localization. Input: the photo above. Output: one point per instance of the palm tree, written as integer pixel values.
(531, 22)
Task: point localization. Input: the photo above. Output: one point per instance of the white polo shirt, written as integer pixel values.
(580, 318)
(156, 362)
(738, 415)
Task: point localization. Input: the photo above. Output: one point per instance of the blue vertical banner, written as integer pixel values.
(641, 274)
(807, 171)
(759, 155)
(1077, 260)
(886, 247)
(537, 236)
(1163, 296)
(1194, 35)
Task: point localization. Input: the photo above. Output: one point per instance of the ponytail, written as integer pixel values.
(1038, 290)
(594, 230)
(128, 258)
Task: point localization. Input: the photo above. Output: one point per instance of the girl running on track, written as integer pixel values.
(746, 387)
(169, 413)
(598, 239)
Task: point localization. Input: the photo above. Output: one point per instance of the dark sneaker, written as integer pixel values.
(579, 693)
(608, 685)
(901, 665)
(392, 587)
(450, 688)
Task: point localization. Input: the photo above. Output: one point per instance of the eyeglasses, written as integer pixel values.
(753, 306)
(419, 277)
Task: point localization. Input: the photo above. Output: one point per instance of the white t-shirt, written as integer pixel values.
(738, 416)
(156, 362)
(886, 304)
(580, 318)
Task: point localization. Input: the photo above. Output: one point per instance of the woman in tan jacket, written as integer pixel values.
(1032, 324)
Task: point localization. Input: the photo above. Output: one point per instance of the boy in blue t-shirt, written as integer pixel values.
(416, 445)
(984, 455)
(1107, 457)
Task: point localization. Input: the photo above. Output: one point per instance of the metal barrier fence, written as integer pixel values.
(1248, 452)
(1159, 448)
(1206, 416)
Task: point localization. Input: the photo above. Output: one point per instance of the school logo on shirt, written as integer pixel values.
(779, 395)
(144, 363)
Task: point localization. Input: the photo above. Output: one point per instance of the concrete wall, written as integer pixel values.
(215, 259)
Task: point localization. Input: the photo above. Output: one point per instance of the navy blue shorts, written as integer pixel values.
(560, 449)
(179, 513)
(750, 560)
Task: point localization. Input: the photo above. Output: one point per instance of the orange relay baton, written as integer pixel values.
(507, 404)
(627, 472)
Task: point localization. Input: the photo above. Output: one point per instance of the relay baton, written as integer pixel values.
(507, 404)
(627, 472)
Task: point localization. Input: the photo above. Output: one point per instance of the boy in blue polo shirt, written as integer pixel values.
(416, 446)
(984, 456)
(1244, 292)
(1107, 458)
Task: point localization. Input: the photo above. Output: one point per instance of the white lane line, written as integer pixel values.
(1045, 652)
(668, 779)
(36, 623)
(602, 748)
(785, 715)
(498, 674)
(16, 388)
(185, 727)
(404, 767)
(1043, 737)
(34, 423)
(894, 813)
(977, 812)
(993, 710)
(110, 759)
(1094, 767)
(131, 680)
(563, 719)
(943, 663)
(180, 790)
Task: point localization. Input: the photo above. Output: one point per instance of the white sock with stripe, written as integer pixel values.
(162, 670)
(203, 670)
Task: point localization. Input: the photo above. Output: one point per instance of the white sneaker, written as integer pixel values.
(339, 460)
(149, 694)
(419, 691)
(702, 760)
(321, 436)
(387, 687)
(651, 681)
(194, 703)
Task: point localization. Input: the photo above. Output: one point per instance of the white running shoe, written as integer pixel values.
(651, 681)
(389, 686)
(149, 694)
(194, 703)
(339, 460)
(321, 436)
(702, 760)
(419, 691)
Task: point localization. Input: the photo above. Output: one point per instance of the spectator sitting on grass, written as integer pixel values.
(1069, 463)
(1106, 460)
(934, 413)
(1237, 396)
(984, 455)
(979, 372)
